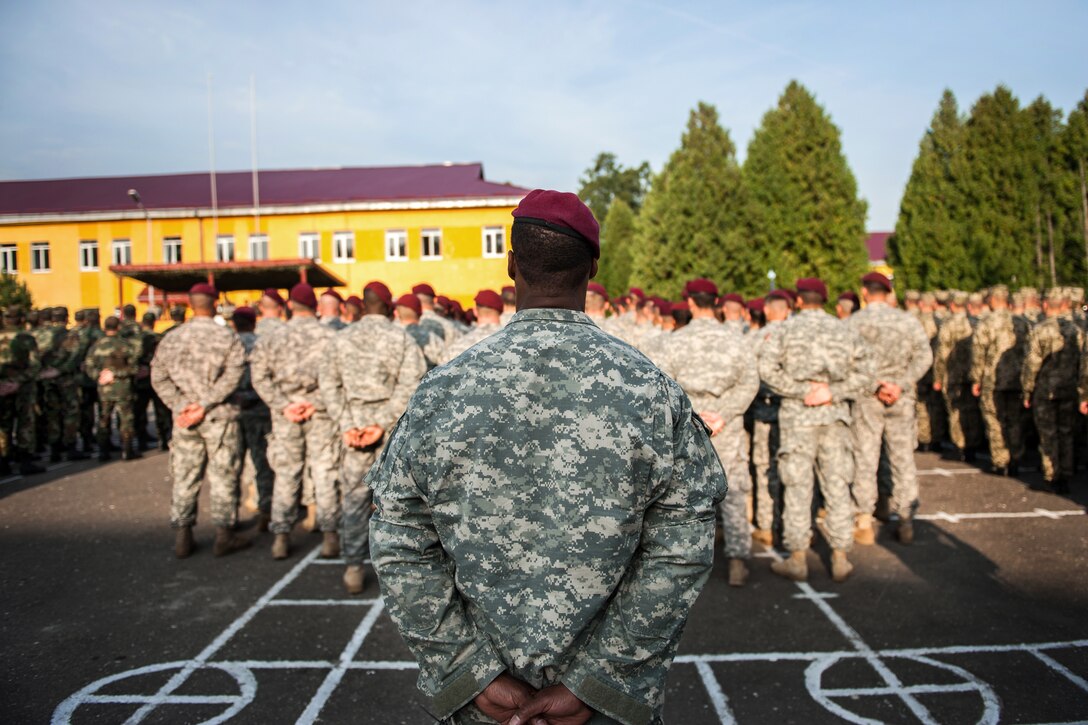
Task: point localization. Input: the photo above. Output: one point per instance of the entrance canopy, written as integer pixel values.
(230, 276)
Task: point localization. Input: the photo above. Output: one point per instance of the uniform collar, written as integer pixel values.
(551, 314)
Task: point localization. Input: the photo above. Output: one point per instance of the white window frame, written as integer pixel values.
(222, 241)
(171, 250)
(488, 236)
(309, 246)
(9, 258)
(258, 242)
(37, 248)
(396, 245)
(428, 251)
(88, 255)
(341, 241)
(121, 252)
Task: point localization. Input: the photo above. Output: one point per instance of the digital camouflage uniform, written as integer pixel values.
(952, 369)
(1049, 380)
(284, 369)
(931, 413)
(439, 325)
(255, 422)
(121, 355)
(554, 519)
(464, 342)
(19, 363)
(717, 371)
(812, 346)
(765, 442)
(429, 342)
(367, 376)
(268, 325)
(901, 355)
(997, 359)
(202, 362)
(148, 341)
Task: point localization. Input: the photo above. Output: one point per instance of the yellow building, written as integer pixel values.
(89, 242)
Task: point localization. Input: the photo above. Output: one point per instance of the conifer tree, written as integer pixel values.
(1073, 190)
(617, 238)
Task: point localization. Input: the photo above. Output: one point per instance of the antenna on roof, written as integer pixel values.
(253, 150)
(211, 168)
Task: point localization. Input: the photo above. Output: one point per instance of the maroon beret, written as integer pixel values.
(442, 301)
(245, 313)
(679, 306)
(637, 292)
(203, 288)
(381, 290)
(700, 286)
(411, 302)
(621, 300)
(354, 301)
(597, 289)
(561, 212)
(755, 305)
(812, 284)
(488, 298)
(274, 294)
(664, 307)
(508, 290)
(877, 278)
(456, 308)
(782, 294)
(852, 296)
(423, 289)
(732, 297)
(330, 292)
(470, 317)
(303, 294)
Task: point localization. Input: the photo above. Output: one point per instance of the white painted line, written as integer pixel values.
(1035, 514)
(13, 479)
(335, 562)
(821, 595)
(1059, 667)
(309, 715)
(322, 602)
(762, 657)
(281, 664)
(986, 648)
(169, 700)
(717, 697)
(950, 472)
(365, 665)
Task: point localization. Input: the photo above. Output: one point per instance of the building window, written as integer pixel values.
(431, 243)
(88, 256)
(224, 248)
(258, 246)
(343, 247)
(171, 250)
(494, 241)
(396, 246)
(121, 251)
(9, 263)
(39, 257)
(309, 246)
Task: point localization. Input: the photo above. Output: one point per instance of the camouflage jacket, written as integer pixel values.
(765, 406)
(121, 355)
(899, 346)
(1052, 364)
(553, 517)
(268, 325)
(439, 325)
(714, 366)
(19, 361)
(998, 349)
(200, 362)
(284, 366)
(130, 329)
(368, 373)
(245, 396)
(333, 323)
(952, 363)
(429, 342)
(458, 346)
(812, 346)
(53, 348)
(87, 336)
(929, 324)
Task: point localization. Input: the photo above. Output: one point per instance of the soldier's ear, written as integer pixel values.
(511, 265)
(593, 269)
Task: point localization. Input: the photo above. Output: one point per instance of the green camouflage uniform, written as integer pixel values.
(1049, 380)
(997, 359)
(121, 355)
(88, 335)
(19, 363)
(56, 402)
(553, 518)
(952, 369)
(45, 400)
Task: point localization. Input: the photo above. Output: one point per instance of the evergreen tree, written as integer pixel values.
(607, 180)
(14, 292)
(1044, 195)
(929, 248)
(1073, 192)
(804, 214)
(690, 223)
(617, 238)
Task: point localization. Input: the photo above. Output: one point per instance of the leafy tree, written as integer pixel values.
(617, 238)
(14, 292)
(607, 180)
(929, 248)
(691, 222)
(1073, 191)
(804, 213)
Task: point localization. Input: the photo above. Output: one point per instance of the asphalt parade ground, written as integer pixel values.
(983, 620)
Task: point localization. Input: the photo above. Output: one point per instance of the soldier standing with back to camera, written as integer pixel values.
(112, 363)
(19, 368)
(952, 377)
(255, 422)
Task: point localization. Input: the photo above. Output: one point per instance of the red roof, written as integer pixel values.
(235, 189)
(877, 244)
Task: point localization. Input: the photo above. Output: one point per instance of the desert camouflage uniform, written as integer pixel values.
(1049, 380)
(812, 346)
(929, 405)
(269, 325)
(458, 346)
(765, 442)
(19, 363)
(255, 422)
(121, 355)
(901, 355)
(554, 519)
(284, 369)
(952, 369)
(997, 359)
(717, 370)
(202, 362)
(429, 342)
(367, 376)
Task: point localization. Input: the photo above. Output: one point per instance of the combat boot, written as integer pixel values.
(227, 543)
(795, 567)
(310, 522)
(183, 542)
(1014, 469)
(330, 546)
(354, 579)
(281, 546)
(263, 520)
(840, 565)
(738, 573)
(863, 530)
(764, 537)
(905, 532)
(129, 452)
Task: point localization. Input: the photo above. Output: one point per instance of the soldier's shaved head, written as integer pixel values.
(551, 263)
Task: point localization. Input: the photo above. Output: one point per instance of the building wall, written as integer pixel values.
(461, 271)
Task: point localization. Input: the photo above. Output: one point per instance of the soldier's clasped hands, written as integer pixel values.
(513, 702)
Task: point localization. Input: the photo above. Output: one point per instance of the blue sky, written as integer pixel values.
(534, 91)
